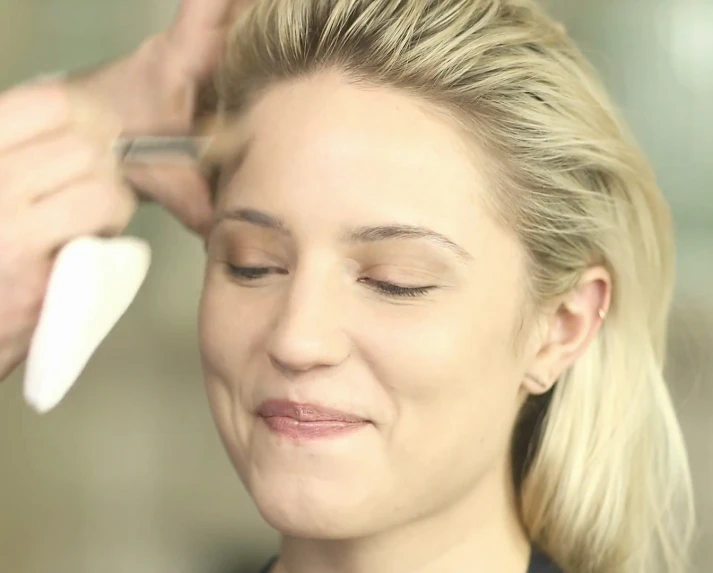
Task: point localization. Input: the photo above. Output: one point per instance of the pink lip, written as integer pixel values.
(307, 421)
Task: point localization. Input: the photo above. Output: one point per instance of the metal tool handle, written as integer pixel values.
(149, 148)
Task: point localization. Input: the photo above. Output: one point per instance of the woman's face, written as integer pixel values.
(359, 312)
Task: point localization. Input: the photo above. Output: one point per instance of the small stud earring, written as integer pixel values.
(536, 381)
(601, 313)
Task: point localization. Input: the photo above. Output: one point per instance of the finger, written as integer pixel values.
(97, 205)
(34, 169)
(197, 17)
(29, 111)
(181, 189)
(12, 355)
(199, 34)
(229, 138)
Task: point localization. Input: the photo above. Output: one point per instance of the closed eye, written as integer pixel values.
(394, 290)
(383, 287)
(253, 273)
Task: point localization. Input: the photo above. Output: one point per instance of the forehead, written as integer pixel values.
(326, 151)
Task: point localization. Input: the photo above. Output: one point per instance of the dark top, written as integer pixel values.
(539, 563)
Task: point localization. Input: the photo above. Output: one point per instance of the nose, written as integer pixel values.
(308, 332)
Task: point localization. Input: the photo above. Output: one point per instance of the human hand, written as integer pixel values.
(59, 179)
(58, 175)
(155, 91)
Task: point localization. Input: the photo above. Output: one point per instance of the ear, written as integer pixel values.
(570, 328)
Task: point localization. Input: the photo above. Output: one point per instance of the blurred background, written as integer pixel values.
(128, 474)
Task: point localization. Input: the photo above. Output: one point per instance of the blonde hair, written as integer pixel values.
(602, 473)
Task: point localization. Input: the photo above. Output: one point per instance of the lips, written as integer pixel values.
(305, 412)
(307, 421)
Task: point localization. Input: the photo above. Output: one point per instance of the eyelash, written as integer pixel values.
(390, 289)
(251, 273)
(385, 288)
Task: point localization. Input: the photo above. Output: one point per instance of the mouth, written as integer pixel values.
(308, 421)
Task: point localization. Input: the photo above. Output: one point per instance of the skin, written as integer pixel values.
(424, 487)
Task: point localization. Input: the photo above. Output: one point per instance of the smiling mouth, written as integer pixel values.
(308, 421)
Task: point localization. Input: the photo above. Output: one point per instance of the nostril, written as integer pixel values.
(281, 367)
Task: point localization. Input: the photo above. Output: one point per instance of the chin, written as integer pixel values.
(311, 508)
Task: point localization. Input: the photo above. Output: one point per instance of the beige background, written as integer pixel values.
(128, 474)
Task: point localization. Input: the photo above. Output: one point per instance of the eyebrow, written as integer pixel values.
(254, 217)
(400, 231)
(368, 234)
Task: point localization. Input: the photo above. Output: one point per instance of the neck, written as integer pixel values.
(480, 532)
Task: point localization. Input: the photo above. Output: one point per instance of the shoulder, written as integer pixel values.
(540, 563)
(268, 566)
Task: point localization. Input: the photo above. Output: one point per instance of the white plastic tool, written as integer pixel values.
(92, 284)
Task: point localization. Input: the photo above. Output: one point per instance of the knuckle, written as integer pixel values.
(19, 168)
(192, 215)
(101, 197)
(113, 203)
(52, 98)
(127, 204)
(59, 99)
(86, 154)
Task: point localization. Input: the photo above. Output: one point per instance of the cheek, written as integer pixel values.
(217, 327)
(450, 373)
(228, 330)
(446, 370)
(442, 352)
(229, 325)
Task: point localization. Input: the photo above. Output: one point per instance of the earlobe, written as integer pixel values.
(572, 326)
(535, 385)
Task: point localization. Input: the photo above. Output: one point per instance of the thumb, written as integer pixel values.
(198, 19)
(199, 31)
(183, 190)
